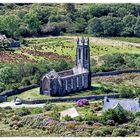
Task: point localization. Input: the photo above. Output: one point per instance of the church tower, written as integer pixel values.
(83, 55)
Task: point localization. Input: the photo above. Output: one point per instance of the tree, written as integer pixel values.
(95, 27)
(6, 75)
(122, 12)
(9, 24)
(112, 26)
(118, 114)
(69, 7)
(137, 62)
(137, 28)
(98, 10)
(80, 25)
(32, 22)
(129, 24)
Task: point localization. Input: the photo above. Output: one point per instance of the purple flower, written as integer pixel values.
(82, 102)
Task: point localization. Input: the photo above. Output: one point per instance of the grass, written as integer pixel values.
(34, 94)
(66, 46)
(128, 39)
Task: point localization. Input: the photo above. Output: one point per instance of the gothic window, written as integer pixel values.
(46, 84)
(71, 83)
(83, 80)
(86, 54)
(66, 85)
(79, 53)
(77, 82)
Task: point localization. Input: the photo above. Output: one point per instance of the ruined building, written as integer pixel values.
(68, 81)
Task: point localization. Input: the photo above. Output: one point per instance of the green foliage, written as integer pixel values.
(67, 118)
(49, 107)
(137, 62)
(89, 116)
(137, 114)
(119, 132)
(37, 110)
(118, 114)
(25, 81)
(56, 19)
(22, 112)
(126, 92)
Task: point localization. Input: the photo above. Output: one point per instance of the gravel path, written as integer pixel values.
(12, 104)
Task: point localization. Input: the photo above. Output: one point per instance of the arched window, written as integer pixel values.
(46, 84)
(79, 53)
(86, 54)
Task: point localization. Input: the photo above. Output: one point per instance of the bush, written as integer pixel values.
(119, 132)
(98, 133)
(37, 110)
(118, 114)
(49, 107)
(89, 116)
(126, 92)
(25, 81)
(110, 122)
(23, 112)
(15, 118)
(67, 118)
(82, 102)
(137, 114)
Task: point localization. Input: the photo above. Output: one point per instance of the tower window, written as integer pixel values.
(79, 54)
(86, 54)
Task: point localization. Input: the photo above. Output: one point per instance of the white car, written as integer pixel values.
(18, 101)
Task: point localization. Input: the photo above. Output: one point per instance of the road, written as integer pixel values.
(12, 104)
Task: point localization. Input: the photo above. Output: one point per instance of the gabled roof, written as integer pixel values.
(131, 105)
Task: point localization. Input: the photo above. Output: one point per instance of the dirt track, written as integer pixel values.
(106, 41)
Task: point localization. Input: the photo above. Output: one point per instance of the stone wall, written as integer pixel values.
(5, 94)
(96, 97)
(114, 72)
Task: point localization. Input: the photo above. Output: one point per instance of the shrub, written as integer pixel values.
(15, 118)
(119, 132)
(137, 114)
(107, 130)
(82, 102)
(37, 110)
(49, 107)
(23, 112)
(67, 118)
(71, 125)
(89, 116)
(98, 133)
(126, 92)
(25, 81)
(118, 114)
(110, 122)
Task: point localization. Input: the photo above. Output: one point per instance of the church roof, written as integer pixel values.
(131, 105)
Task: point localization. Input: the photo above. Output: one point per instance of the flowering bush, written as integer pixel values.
(82, 102)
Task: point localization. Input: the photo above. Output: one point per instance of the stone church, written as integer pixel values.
(69, 81)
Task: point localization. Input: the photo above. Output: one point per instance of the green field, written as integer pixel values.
(127, 39)
(34, 94)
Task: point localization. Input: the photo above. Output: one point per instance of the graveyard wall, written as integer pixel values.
(96, 97)
(8, 93)
(114, 72)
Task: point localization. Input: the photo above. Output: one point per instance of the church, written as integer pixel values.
(72, 80)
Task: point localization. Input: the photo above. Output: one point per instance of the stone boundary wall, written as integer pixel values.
(114, 72)
(7, 93)
(94, 97)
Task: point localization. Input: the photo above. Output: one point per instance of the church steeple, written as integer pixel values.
(83, 53)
